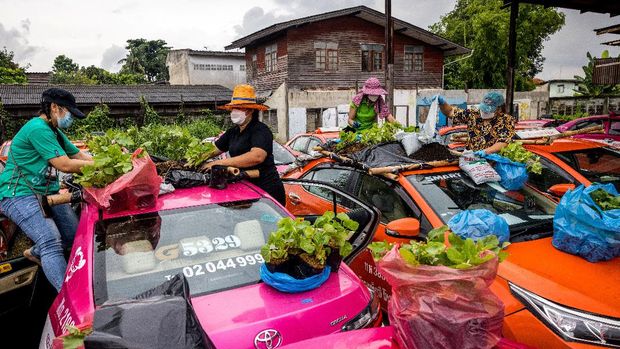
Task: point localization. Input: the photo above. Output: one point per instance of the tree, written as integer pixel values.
(10, 71)
(585, 86)
(147, 57)
(64, 64)
(482, 25)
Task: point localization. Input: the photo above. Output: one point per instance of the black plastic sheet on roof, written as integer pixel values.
(382, 155)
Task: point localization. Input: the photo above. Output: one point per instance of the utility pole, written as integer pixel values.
(389, 53)
(512, 53)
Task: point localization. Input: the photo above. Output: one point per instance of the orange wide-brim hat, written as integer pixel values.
(244, 97)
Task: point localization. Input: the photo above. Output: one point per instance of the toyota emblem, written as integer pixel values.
(267, 339)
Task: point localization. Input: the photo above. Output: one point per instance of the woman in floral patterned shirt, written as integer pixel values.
(490, 128)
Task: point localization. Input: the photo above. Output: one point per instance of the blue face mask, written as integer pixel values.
(66, 121)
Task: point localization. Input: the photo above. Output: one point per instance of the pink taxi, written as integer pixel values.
(213, 237)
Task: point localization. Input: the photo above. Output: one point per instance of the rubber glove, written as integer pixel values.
(480, 153)
(440, 99)
(355, 124)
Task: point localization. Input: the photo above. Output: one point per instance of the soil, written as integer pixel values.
(166, 166)
(20, 244)
(311, 261)
(353, 148)
(432, 152)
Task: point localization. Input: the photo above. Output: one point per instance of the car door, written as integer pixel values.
(302, 199)
(341, 202)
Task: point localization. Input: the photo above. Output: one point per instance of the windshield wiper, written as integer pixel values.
(532, 231)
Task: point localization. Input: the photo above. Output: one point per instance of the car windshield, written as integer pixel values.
(525, 211)
(600, 165)
(216, 247)
(281, 156)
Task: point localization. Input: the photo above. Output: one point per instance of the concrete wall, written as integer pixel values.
(225, 78)
(561, 89)
(178, 67)
(592, 106)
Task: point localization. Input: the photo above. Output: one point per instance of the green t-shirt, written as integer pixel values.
(32, 147)
(365, 114)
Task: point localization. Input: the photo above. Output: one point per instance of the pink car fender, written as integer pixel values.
(371, 338)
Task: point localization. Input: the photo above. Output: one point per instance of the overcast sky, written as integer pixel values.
(94, 32)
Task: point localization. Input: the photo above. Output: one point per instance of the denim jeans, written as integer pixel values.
(49, 234)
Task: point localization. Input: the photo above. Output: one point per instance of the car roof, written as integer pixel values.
(565, 144)
(198, 196)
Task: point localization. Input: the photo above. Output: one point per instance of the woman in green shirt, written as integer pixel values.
(368, 105)
(38, 151)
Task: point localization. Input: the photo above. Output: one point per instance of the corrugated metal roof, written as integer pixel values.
(118, 94)
(368, 14)
(211, 53)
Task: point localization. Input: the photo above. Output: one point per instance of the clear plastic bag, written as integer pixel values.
(441, 307)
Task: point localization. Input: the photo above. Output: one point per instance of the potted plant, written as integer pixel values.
(339, 228)
(280, 246)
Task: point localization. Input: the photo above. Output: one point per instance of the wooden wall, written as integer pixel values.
(349, 32)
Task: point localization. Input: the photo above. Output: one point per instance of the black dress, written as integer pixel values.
(255, 135)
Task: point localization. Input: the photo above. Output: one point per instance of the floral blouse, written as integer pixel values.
(484, 133)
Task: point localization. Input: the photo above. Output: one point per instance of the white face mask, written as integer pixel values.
(487, 116)
(373, 98)
(237, 116)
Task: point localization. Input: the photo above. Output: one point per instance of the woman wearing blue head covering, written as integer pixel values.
(489, 127)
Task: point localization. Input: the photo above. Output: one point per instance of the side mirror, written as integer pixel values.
(403, 228)
(561, 189)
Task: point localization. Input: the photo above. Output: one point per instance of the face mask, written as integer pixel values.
(66, 121)
(237, 116)
(487, 116)
(373, 98)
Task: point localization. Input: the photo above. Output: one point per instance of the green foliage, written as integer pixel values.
(66, 71)
(379, 249)
(147, 58)
(9, 125)
(482, 25)
(98, 120)
(64, 64)
(372, 136)
(585, 86)
(198, 152)
(515, 152)
(110, 162)
(149, 115)
(317, 240)
(460, 254)
(606, 201)
(203, 128)
(75, 338)
(10, 71)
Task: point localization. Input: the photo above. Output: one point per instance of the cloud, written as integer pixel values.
(111, 56)
(256, 18)
(16, 40)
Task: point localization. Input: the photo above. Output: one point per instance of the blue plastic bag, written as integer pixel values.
(286, 283)
(581, 228)
(476, 224)
(513, 174)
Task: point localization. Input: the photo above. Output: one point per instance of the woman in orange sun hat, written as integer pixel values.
(249, 142)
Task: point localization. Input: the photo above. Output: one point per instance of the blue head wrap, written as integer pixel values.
(491, 101)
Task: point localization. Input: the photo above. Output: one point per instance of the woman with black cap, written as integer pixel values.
(38, 151)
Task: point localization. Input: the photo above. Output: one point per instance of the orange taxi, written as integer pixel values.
(552, 299)
(303, 143)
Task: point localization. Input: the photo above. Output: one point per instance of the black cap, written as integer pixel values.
(63, 98)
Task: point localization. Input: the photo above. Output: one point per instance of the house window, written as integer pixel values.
(372, 57)
(414, 58)
(271, 57)
(242, 67)
(326, 55)
(560, 88)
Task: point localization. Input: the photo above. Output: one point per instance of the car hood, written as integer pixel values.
(560, 277)
(233, 318)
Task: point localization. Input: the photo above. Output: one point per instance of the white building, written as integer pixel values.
(561, 88)
(191, 67)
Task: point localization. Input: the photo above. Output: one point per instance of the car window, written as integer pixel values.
(314, 142)
(376, 192)
(216, 247)
(600, 165)
(339, 178)
(587, 123)
(281, 156)
(300, 144)
(614, 128)
(451, 192)
(551, 175)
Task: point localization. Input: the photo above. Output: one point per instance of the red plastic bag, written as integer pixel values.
(440, 307)
(135, 189)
